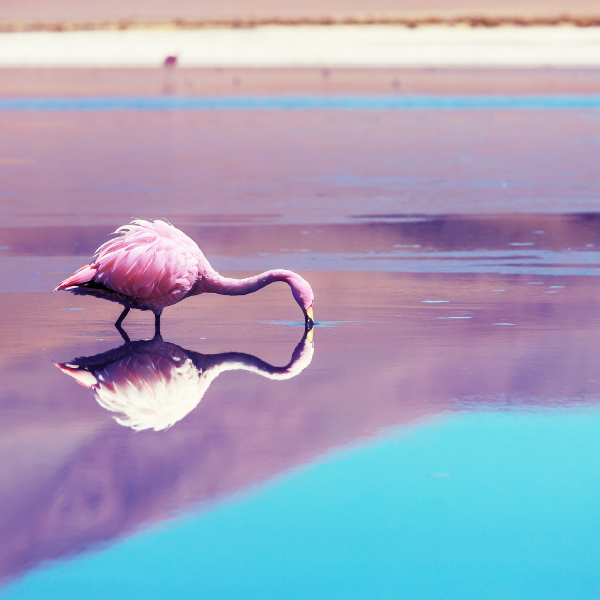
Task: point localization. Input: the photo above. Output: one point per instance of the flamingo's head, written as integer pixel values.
(305, 298)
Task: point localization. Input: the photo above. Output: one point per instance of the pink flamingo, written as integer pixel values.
(153, 265)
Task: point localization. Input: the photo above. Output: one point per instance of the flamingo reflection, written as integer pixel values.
(152, 384)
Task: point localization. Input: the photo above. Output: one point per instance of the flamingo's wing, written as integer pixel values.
(150, 260)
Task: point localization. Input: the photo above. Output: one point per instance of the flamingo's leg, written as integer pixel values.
(157, 325)
(118, 325)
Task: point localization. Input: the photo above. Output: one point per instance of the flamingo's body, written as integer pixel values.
(152, 265)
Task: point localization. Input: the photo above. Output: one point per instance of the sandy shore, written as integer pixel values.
(311, 46)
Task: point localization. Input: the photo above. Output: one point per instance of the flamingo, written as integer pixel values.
(152, 384)
(152, 265)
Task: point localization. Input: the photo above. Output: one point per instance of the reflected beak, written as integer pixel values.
(309, 319)
(309, 336)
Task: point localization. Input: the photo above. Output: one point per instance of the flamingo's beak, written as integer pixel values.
(309, 336)
(310, 320)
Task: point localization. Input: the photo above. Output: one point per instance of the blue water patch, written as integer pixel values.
(481, 506)
(307, 102)
(324, 324)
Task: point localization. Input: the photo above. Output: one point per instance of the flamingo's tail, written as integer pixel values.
(80, 276)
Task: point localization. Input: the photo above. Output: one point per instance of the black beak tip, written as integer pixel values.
(309, 323)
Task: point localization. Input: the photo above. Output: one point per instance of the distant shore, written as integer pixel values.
(348, 46)
(466, 20)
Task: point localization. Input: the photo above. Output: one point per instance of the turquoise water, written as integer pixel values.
(308, 102)
(480, 505)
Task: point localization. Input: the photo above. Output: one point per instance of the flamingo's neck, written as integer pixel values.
(239, 287)
(217, 284)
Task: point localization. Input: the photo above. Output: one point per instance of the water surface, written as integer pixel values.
(437, 441)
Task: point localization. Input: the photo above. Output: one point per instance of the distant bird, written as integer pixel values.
(152, 265)
(153, 384)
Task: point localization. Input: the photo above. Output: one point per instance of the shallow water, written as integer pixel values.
(441, 442)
